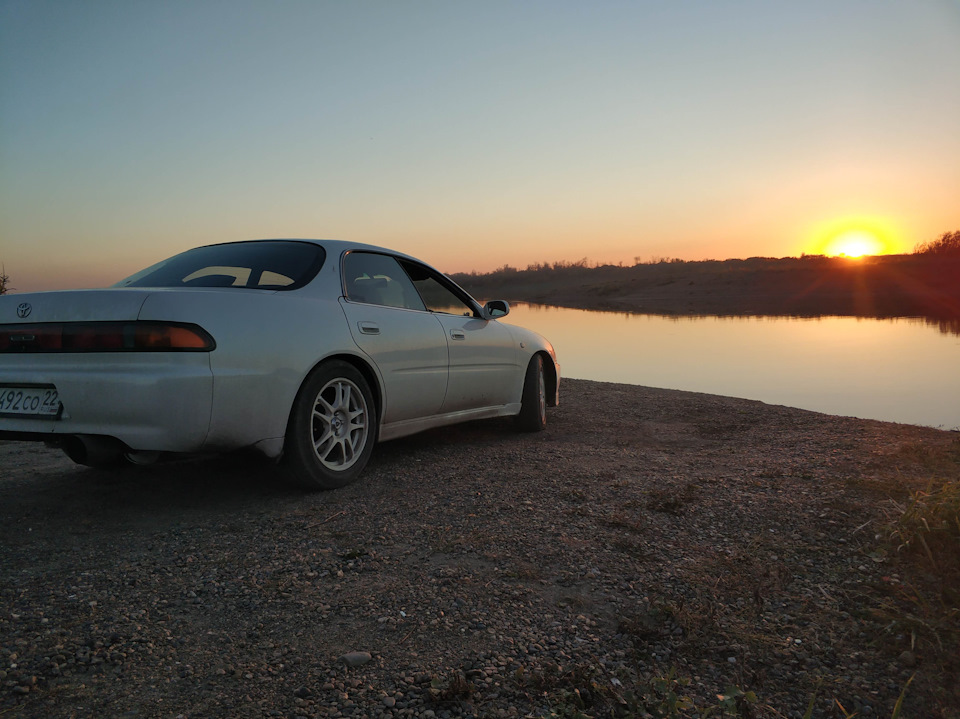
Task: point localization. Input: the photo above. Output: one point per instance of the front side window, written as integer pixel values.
(268, 265)
(437, 294)
(377, 279)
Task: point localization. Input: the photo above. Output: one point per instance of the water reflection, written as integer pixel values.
(951, 326)
(900, 370)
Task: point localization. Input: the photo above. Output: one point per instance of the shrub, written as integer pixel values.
(948, 244)
(931, 521)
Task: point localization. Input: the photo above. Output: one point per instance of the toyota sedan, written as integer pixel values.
(309, 351)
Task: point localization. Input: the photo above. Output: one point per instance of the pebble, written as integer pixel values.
(908, 659)
(356, 659)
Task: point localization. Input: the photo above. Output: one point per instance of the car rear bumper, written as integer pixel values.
(148, 401)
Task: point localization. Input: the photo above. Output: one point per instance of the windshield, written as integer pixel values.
(266, 265)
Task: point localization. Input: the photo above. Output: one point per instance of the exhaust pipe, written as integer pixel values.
(93, 450)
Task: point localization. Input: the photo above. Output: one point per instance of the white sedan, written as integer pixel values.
(309, 351)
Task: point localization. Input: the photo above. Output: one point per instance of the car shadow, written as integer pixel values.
(61, 490)
(47, 489)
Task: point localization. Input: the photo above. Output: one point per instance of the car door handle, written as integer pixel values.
(369, 328)
(457, 335)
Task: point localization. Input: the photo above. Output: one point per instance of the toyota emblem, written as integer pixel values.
(24, 309)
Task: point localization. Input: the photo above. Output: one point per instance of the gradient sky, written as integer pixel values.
(472, 134)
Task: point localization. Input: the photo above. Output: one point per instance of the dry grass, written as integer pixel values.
(920, 604)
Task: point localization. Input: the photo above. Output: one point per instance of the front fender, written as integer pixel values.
(531, 343)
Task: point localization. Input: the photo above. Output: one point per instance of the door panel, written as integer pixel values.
(411, 352)
(483, 363)
(389, 322)
(409, 348)
(483, 355)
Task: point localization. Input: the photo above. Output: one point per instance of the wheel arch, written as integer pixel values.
(346, 444)
(551, 377)
(363, 367)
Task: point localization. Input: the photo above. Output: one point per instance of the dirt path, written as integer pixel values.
(479, 572)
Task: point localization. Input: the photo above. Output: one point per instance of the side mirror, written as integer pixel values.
(495, 309)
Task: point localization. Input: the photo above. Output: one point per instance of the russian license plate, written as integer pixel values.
(31, 401)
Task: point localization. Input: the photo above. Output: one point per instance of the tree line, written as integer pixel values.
(947, 245)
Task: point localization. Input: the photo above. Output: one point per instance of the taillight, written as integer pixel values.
(172, 337)
(105, 337)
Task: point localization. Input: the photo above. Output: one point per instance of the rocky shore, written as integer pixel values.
(650, 544)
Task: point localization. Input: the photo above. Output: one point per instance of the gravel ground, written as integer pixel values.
(647, 539)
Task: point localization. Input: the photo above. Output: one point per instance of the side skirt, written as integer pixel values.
(412, 426)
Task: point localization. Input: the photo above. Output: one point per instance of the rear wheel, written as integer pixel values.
(533, 407)
(332, 428)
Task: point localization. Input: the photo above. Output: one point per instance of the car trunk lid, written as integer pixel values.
(107, 305)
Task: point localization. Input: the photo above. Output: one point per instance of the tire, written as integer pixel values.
(533, 403)
(332, 428)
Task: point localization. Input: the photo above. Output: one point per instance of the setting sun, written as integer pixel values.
(855, 243)
(854, 237)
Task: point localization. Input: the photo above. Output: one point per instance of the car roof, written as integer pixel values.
(333, 246)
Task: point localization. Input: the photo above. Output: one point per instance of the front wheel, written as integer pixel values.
(533, 403)
(332, 428)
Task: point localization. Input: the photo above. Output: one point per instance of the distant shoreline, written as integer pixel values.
(882, 287)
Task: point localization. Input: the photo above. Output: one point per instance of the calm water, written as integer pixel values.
(900, 370)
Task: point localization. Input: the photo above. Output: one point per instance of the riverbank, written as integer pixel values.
(886, 286)
(647, 539)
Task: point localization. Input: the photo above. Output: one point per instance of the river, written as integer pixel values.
(898, 370)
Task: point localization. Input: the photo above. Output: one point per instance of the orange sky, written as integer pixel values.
(473, 135)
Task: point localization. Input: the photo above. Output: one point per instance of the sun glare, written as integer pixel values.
(854, 238)
(855, 243)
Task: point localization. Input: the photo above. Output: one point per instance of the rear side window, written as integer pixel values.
(273, 265)
(377, 279)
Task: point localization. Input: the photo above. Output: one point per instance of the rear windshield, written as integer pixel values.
(273, 265)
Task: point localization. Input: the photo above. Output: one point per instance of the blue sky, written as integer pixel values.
(472, 134)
